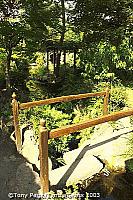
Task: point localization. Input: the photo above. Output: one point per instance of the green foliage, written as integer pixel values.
(103, 59)
(38, 70)
(129, 165)
(118, 97)
(54, 119)
(109, 20)
(103, 28)
(2, 68)
(19, 69)
(90, 111)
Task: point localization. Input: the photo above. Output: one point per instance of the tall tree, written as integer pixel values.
(105, 19)
(62, 37)
(11, 31)
(22, 22)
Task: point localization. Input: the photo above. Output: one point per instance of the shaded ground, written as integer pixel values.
(16, 176)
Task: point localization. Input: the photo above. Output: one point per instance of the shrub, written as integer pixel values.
(94, 109)
(54, 119)
(118, 97)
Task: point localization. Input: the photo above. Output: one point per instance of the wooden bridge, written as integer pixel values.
(44, 134)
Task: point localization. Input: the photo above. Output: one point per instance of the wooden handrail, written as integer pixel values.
(86, 124)
(60, 99)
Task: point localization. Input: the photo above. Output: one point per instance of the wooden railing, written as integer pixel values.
(45, 135)
(16, 106)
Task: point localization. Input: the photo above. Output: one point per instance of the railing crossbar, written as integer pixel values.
(88, 123)
(60, 99)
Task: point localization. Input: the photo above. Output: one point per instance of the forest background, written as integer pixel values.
(59, 47)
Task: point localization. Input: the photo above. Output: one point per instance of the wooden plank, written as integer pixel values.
(43, 155)
(60, 99)
(86, 124)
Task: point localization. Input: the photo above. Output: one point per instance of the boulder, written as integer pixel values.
(107, 144)
(30, 150)
(92, 146)
(80, 169)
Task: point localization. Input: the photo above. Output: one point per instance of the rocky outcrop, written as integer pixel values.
(80, 169)
(107, 143)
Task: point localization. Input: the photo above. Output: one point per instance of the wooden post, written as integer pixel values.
(43, 155)
(15, 109)
(106, 99)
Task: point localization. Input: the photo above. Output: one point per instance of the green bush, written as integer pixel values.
(93, 110)
(54, 119)
(19, 70)
(118, 97)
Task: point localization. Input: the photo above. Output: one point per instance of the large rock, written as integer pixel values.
(30, 150)
(80, 169)
(101, 133)
(105, 143)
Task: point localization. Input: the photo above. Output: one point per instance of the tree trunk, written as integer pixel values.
(63, 22)
(57, 64)
(65, 60)
(62, 37)
(54, 60)
(74, 64)
(7, 72)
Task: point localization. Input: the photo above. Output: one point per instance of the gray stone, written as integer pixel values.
(80, 169)
(109, 145)
(30, 150)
